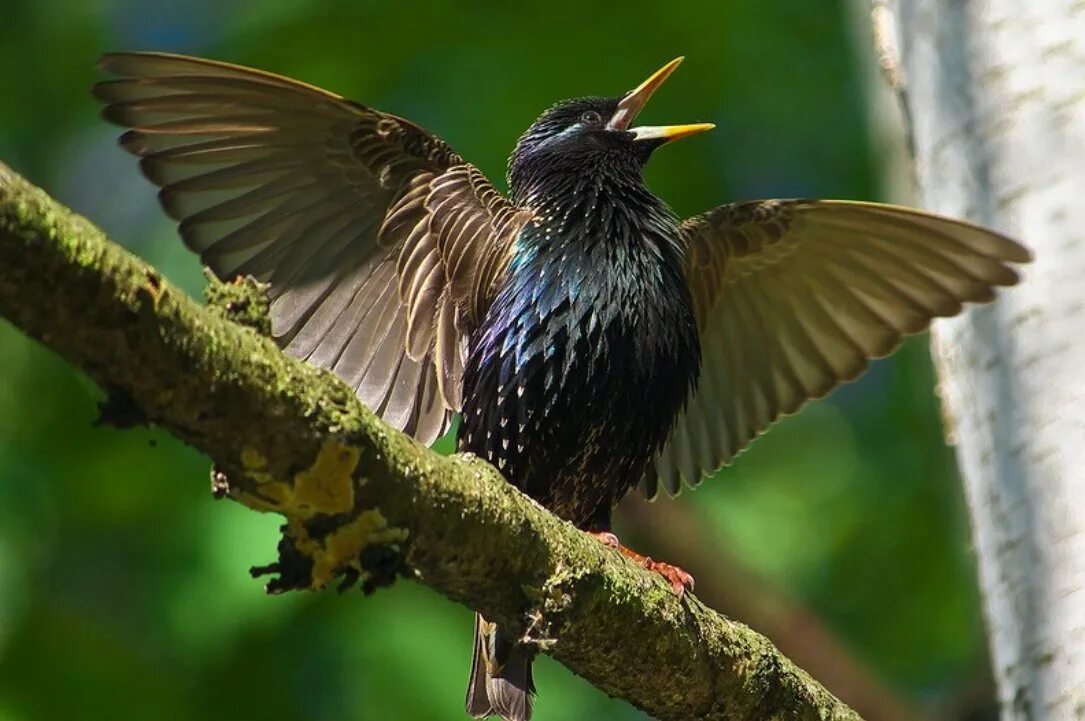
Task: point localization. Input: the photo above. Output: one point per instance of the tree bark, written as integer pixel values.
(362, 500)
(996, 94)
(735, 589)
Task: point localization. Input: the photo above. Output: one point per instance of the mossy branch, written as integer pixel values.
(361, 500)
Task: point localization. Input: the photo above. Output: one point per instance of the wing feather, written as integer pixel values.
(351, 215)
(794, 297)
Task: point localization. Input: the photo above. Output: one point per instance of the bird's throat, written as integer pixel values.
(600, 208)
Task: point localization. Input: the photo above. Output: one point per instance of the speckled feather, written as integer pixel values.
(589, 348)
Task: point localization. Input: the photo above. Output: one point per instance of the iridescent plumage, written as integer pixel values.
(589, 348)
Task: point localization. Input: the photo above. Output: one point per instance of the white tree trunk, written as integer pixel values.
(996, 93)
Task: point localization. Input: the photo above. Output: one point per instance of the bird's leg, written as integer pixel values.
(679, 579)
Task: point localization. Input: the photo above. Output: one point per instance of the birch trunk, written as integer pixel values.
(995, 90)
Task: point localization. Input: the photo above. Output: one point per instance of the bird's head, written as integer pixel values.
(593, 134)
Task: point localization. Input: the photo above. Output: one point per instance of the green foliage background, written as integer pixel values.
(124, 591)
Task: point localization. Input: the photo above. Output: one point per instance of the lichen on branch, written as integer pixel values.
(364, 501)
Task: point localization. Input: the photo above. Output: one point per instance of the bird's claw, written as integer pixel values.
(680, 580)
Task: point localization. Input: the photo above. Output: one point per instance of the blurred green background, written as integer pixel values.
(124, 591)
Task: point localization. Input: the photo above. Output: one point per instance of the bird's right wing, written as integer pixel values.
(793, 297)
(379, 243)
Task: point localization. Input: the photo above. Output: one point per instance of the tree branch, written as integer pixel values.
(737, 590)
(361, 499)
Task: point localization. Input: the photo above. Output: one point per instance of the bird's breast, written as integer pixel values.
(576, 374)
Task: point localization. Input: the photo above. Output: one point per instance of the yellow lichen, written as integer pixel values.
(327, 486)
(343, 547)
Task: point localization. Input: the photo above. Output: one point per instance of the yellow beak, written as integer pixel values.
(667, 133)
(635, 100)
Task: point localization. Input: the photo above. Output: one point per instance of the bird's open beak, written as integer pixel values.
(637, 98)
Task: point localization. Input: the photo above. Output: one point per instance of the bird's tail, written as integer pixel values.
(500, 681)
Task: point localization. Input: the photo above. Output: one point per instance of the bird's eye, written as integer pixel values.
(591, 118)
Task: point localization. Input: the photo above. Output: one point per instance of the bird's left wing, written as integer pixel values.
(379, 243)
(794, 297)
(460, 232)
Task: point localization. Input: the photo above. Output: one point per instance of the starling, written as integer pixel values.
(590, 339)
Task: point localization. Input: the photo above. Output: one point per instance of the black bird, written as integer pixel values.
(590, 339)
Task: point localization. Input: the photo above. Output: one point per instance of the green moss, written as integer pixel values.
(243, 301)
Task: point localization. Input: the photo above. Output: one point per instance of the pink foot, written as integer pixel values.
(678, 578)
(606, 538)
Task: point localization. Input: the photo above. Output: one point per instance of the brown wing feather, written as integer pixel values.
(329, 202)
(463, 232)
(794, 297)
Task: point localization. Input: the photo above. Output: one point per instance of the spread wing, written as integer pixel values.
(379, 243)
(794, 297)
